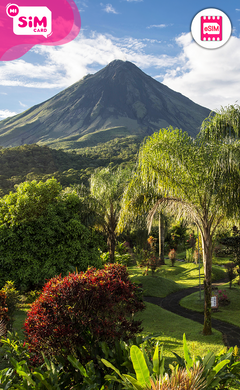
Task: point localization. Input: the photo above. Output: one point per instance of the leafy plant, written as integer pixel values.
(3, 313)
(144, 368)
(223, 298)
(42, 246)
(189, 255)
(231, 272)
(220, 370)
(12, 299)
(31, 296)
(76, 312)
(172, 256)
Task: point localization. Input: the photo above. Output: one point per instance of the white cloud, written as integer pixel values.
(109, 9)
(137, 1)
(208, 77)
(64, 65)
(6, 114)
(158, 25)
(22, 104)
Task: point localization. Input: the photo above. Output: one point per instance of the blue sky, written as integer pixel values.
(153, 34)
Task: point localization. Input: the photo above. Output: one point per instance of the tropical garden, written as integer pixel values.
(78, 261)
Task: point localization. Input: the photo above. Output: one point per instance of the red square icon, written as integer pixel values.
(211, 28)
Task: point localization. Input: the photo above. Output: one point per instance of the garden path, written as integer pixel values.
(231, 333)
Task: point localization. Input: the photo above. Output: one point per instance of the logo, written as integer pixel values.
(30, 20)
(36, 22)
(211, 28)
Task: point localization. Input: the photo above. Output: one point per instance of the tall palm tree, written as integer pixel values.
(198, 179)
(107, 187)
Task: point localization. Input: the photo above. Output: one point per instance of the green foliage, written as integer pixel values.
(224, 123)
(29, 162)
(189, 255)
(145, 368)
(49, 242)
(28, 202)
(232, 245)
(12, 299)
(198, 179)
(220, 370)
(214, 371)
(32, 295)
(106, 188)
(121, 255)
(13, 347)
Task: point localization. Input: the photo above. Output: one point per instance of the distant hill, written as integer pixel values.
(118, 101)
(31, 162)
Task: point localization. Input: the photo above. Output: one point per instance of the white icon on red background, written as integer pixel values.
(211, 28)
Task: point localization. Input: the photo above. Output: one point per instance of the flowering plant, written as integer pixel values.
(223, 298)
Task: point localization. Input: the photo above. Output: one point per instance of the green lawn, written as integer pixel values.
(168, 279)
(171, 327)
(230, 313)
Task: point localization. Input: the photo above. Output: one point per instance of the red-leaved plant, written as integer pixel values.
(3, 314)
(82, 309)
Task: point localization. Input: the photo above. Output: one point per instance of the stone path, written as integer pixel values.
(231, 333)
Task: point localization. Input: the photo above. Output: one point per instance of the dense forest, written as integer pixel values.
(29, 162)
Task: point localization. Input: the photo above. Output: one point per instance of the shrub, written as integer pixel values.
(74, 313)
(12, 298)
(223, 299)
(42, 235)
(3, 313)
(231, 272)
(31, 296)
(172, 256)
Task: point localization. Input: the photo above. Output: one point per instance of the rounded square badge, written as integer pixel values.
(211, 28)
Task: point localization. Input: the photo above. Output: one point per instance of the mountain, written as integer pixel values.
(118, 101)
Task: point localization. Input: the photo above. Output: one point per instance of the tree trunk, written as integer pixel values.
(111, 247)
(161, 238)
(111, 240)
(207, 261)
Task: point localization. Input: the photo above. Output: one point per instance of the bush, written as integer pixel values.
(42, 234)
(74, 313)
(12, 299)
(172, 256)
(3, 313)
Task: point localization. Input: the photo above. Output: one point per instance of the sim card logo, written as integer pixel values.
(30, 20)
(211, 28)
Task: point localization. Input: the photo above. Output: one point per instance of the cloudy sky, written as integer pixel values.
(153, 34)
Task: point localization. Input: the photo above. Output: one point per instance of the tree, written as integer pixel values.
(42, 235)
(199, 179)
(138, 200)
(106, 187)
(232, 244)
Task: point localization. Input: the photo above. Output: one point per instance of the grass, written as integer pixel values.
(171, 327)
(170, 279)
(228, 313)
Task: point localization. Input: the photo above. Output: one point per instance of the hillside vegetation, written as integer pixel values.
(29, 162)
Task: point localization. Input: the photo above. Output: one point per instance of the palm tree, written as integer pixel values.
(198, 179)
(107, 187)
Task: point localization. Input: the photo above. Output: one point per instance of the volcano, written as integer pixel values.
(117, 101)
